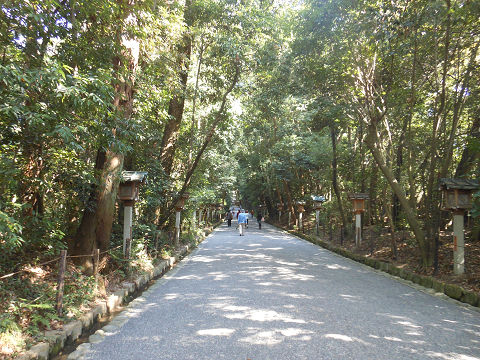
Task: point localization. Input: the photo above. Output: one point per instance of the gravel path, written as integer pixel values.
(268, 295)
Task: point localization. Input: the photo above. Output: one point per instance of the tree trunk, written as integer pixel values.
(95, 228)
(372, 193)
(432, 209)
(336, 188)
(177, 102)
(291, 207)
(457, 112)
(191, 169)
(470, 156)
(372, 143)
(96, 225)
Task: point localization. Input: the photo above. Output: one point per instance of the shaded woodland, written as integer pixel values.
(271, 101)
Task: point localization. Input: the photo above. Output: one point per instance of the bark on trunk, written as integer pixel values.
(291, 207)
(372, 208)
(336, 188)
(95, 228)
(470, 156)
(96, 225)
(372, 144)
(177, 102)
(191, 169)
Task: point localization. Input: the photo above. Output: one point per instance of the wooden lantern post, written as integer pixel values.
(301, 210)
(200, 211)
(318, 200)
(358, 201)
(457, 197)
(194, 219)
(128, 193)
(279, 208)
(212, 211)
(178, 210)
(208, 219)
(194, 215)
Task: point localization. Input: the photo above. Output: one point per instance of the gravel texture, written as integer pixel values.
(269, 295)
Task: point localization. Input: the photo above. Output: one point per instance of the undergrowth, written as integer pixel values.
(28, 299)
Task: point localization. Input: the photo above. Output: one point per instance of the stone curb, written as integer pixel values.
(449, 290)
(57, 339)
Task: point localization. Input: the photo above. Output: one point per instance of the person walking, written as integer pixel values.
(242, 222)
(229, 218)
(259, 220)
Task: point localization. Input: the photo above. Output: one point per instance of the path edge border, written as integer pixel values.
(58, 339)
(452, 291)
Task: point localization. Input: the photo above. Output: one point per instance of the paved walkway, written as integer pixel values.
(268, 295)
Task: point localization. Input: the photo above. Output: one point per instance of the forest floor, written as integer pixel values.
(27, 301)
(377, 244)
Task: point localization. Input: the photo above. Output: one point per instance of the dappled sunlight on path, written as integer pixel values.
(268, 295)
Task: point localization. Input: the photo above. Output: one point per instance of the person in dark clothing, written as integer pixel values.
(229, 218)
(259, 220)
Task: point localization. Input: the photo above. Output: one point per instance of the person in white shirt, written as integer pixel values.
(242, 222)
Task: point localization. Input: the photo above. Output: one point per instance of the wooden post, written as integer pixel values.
(317, 221)
(458, 243)
(289, 219)
(358, 229)
(177, 228)
(127, 254)
(61, 281)
(127, 225)
(96, 259)
(128, 242)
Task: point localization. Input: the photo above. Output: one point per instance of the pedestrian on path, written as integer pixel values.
(259, 220)
(229, 218)
(242, 222)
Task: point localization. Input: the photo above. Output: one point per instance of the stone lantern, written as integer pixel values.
(318, 201)
(128, 191)
(200, 212)
(301, 210)
(193, 201)
(279, 208)
(178, 210)
(211, 210)
(358, 201)
(457, 197)
(220, 211)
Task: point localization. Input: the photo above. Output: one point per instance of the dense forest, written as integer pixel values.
(270, 100)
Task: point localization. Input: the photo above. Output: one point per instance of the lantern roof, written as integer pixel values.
(136, 176)
(461, 184)
(318, 198)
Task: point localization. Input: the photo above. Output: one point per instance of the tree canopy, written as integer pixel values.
(271, 100)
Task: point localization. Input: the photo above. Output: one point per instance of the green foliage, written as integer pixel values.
(10, 233)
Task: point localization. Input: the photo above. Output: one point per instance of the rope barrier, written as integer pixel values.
(18, 272)
(56, 259)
